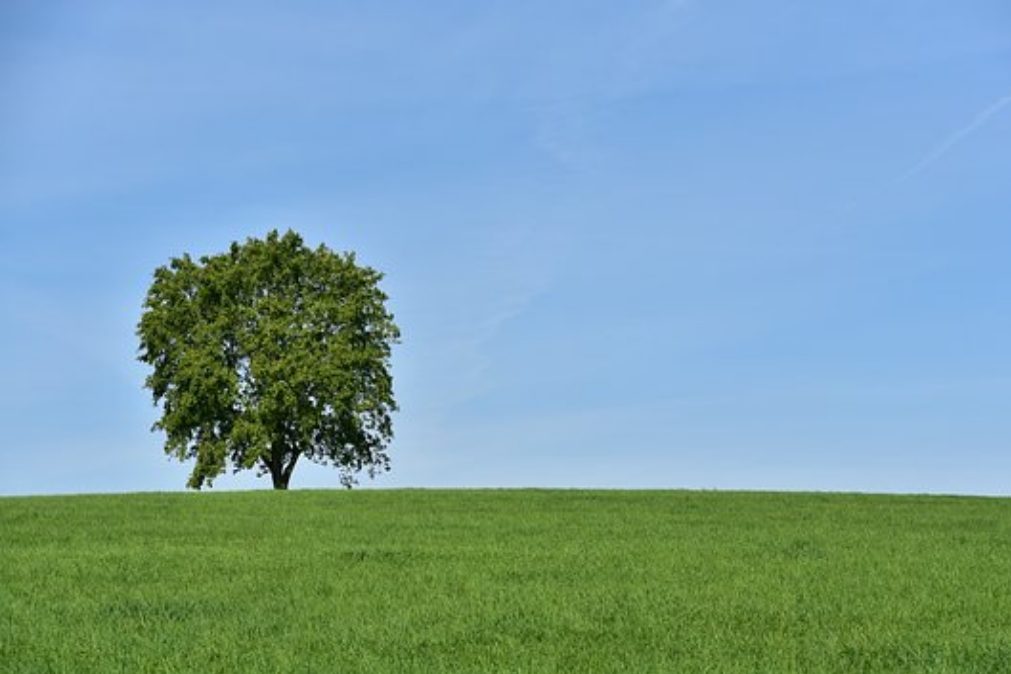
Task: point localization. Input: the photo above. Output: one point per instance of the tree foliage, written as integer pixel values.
(268, 353)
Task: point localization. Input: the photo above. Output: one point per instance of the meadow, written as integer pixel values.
(505, 581)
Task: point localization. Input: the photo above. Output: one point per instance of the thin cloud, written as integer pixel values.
(563, 126)
(957, 137)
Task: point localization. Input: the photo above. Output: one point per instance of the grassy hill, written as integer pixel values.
(505, 581)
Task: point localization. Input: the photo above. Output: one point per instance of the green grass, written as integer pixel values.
(505, 581)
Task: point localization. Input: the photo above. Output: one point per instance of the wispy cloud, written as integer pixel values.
(564, 123)
(953, 139)
(564, 134)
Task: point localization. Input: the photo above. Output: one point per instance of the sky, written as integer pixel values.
(680, 244)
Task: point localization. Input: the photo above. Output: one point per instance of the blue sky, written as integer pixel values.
(640, 244)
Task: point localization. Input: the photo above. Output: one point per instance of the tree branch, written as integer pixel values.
(290, 467)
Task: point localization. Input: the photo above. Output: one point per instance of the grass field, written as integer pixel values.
(505, 581)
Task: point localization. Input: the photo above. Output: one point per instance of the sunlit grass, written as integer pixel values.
(511, 581)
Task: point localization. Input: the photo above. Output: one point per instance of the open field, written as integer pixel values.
(505, 581)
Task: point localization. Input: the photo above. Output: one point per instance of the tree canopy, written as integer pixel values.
(268, 353)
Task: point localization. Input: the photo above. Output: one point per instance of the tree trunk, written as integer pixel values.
(280, 479)
(280, 473)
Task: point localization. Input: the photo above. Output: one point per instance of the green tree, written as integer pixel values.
(268, 353)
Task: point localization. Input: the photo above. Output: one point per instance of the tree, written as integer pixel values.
(269, 353)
